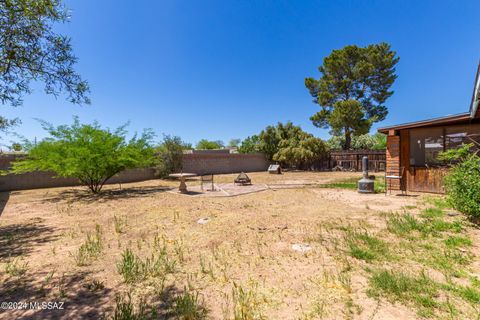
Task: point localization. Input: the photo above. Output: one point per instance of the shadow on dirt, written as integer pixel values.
(71, 296)
(78, 296)
(3, 201)
(20, 239)
(76, 195)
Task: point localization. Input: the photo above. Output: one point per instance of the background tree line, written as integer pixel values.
(354, 84)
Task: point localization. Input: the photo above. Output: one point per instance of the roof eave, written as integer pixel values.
(475, 114)
(429, 122)
(476, 96)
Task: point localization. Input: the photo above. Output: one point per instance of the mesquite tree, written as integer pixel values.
(30, 50)
(86, 152)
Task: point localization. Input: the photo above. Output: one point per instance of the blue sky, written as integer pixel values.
(226, 69)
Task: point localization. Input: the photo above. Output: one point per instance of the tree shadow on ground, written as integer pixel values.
(164, 308)
(167, 300)
(20, 239)
(76, 195)
(78, 295)
(3, 201)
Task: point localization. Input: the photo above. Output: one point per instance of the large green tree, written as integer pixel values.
(377, 141)
(352, 90)
(234, 143)
(86, 152)
(31, 50)
(285, 143)
(271, 136)
(250, 144)
(300, 150)
(205, 144)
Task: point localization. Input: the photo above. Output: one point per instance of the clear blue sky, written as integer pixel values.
(226, 69)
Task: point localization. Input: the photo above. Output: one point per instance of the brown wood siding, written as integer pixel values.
(423, 179)
(393, 160)
(405, 155)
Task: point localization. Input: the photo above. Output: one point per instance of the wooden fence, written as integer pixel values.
(352, 160)
(349, 160)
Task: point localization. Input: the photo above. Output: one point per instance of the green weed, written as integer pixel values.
(134, 269)
(397, 286)
(90, 249)
(126, 310)
(366, 247)
(187, 306)
(351, 184)
(457, 241)
(402, 224)
(120, 223)
(432, 213)
(94, 285)
(247, 303)
(16, 268)
(206, 269)
(439, 203)
(468, 293)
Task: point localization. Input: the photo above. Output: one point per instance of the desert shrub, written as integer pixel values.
(170, 155)
(462, 183)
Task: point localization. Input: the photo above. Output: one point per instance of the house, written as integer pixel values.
(412, 148)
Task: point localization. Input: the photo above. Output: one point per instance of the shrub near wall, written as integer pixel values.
(462, 183)
(463, 186)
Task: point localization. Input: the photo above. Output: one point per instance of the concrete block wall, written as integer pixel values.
(224, 163)
(43, 179)
(197, 163)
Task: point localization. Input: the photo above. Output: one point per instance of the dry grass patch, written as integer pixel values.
(150, 258)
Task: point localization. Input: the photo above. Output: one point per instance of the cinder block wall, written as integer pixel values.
(224, 163)
(196, 163)
(42, 179)
(393, 159)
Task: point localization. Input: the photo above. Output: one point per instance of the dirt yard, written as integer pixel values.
(295, 250)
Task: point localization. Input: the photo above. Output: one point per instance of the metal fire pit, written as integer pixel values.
(366, 185)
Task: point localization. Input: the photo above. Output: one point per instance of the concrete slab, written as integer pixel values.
(223, 190)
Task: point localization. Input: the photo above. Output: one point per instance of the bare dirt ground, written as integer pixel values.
(239, 261)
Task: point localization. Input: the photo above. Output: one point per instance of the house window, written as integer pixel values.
(427, 143)
(425, 146)
(455, 136)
